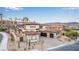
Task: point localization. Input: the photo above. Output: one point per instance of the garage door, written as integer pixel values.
(51, 35)
(44, 34)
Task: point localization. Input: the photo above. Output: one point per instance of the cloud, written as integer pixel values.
(13, 8)
(71, 8)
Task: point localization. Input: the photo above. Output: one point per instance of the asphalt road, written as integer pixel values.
(3, 41)
(67, 47)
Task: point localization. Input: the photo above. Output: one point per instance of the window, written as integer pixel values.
(21, 39)
(32, 26)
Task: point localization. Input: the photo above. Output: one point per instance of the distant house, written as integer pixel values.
(72, 25)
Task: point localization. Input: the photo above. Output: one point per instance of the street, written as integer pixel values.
(3, 44)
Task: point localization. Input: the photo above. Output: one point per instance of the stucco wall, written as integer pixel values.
(31, 37)
(32, 27)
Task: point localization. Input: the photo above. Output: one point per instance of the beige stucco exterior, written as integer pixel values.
(31, 27)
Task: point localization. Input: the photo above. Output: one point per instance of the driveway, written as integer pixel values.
(50, 42)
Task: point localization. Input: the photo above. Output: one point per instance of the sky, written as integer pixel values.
(42, 14)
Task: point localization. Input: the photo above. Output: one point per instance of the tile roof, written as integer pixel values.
(50, 31)
(27, 23)
(31, 33)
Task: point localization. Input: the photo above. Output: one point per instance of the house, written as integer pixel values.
(28, 34)
(30, 29)
(51, 31)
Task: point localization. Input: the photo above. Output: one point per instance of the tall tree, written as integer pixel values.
(16, 18)
(1, 15)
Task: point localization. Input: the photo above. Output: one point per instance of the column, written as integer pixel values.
(54, 35)
(48, 35)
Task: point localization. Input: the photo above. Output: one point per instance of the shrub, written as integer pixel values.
(12, 37)
(71, 33)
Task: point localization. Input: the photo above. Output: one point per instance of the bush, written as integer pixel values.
(2, 29)
(12, 37)
(71, 34)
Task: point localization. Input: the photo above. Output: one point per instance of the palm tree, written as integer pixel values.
(10, 19)
(1, 15)
(16, 18)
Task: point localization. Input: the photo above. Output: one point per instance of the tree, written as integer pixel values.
(16, 18)
(25, 19)
(10, 19)
(67, 29)
(2, 29)
(71, 33)
(1, 15)
(12, 38)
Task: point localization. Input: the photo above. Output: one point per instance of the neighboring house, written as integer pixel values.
(51, 31)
